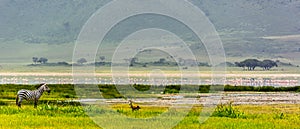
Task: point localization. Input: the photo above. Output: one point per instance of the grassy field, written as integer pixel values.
(70, 116)
(54, 111)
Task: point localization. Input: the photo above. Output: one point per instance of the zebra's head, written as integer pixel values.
(45, 87)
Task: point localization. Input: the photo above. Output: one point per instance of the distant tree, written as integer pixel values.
(162, 60)
(35, 60)
(181, 61)
(267, 64)
(203, 64)
(240, 64)
(133, 61)
(102, 58)
(62, 63)
(145, 65)
(81, 61)
(43, 60)
(67, 26)
(251, 64)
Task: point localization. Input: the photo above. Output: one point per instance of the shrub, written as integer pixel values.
(227, 110)
(66, 95)
(265, 88)
(204, 89)
(141, 87)
(279, 116)
(3, 103)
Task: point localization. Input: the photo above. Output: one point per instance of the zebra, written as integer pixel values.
(31, 95)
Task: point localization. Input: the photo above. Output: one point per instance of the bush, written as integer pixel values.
(227, 110)
(261, 88)
(266, 88)
(109, 91)
(3, 103)
(63, 63)
(204, 89)
(141, 87)
(67, 95)
(279, 116)
(172, 89)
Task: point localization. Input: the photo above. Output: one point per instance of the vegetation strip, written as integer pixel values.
(54, 112)
(8, 91)
(224, 116)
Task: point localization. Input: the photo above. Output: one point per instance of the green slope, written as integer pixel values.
(241, 25)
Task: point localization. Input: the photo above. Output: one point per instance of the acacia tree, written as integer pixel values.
(268, 64)
(133, 61)
(251, 64)
(162, 60)
(43, 60)
(102, 58)
(240, 64)
(81, 61)
(35, 60)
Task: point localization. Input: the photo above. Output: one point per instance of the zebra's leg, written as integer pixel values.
(35, 103)
(17, 99)
(20, 102)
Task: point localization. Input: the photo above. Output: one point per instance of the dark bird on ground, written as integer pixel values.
(134, 108)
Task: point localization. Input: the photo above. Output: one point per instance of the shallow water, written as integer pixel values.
(238, 98)
(55, 79)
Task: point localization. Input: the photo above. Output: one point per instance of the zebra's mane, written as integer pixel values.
(38, 87)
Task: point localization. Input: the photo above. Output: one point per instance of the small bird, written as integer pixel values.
(134, 108)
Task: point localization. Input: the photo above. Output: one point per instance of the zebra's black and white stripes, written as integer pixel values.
(33, 95)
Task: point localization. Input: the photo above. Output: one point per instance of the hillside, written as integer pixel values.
(242, 25)
(45, 21)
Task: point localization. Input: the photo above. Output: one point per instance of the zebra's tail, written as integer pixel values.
(17, 99)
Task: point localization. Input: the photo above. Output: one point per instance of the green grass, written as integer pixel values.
(54, 112)
(69, 116)
(44, 117)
